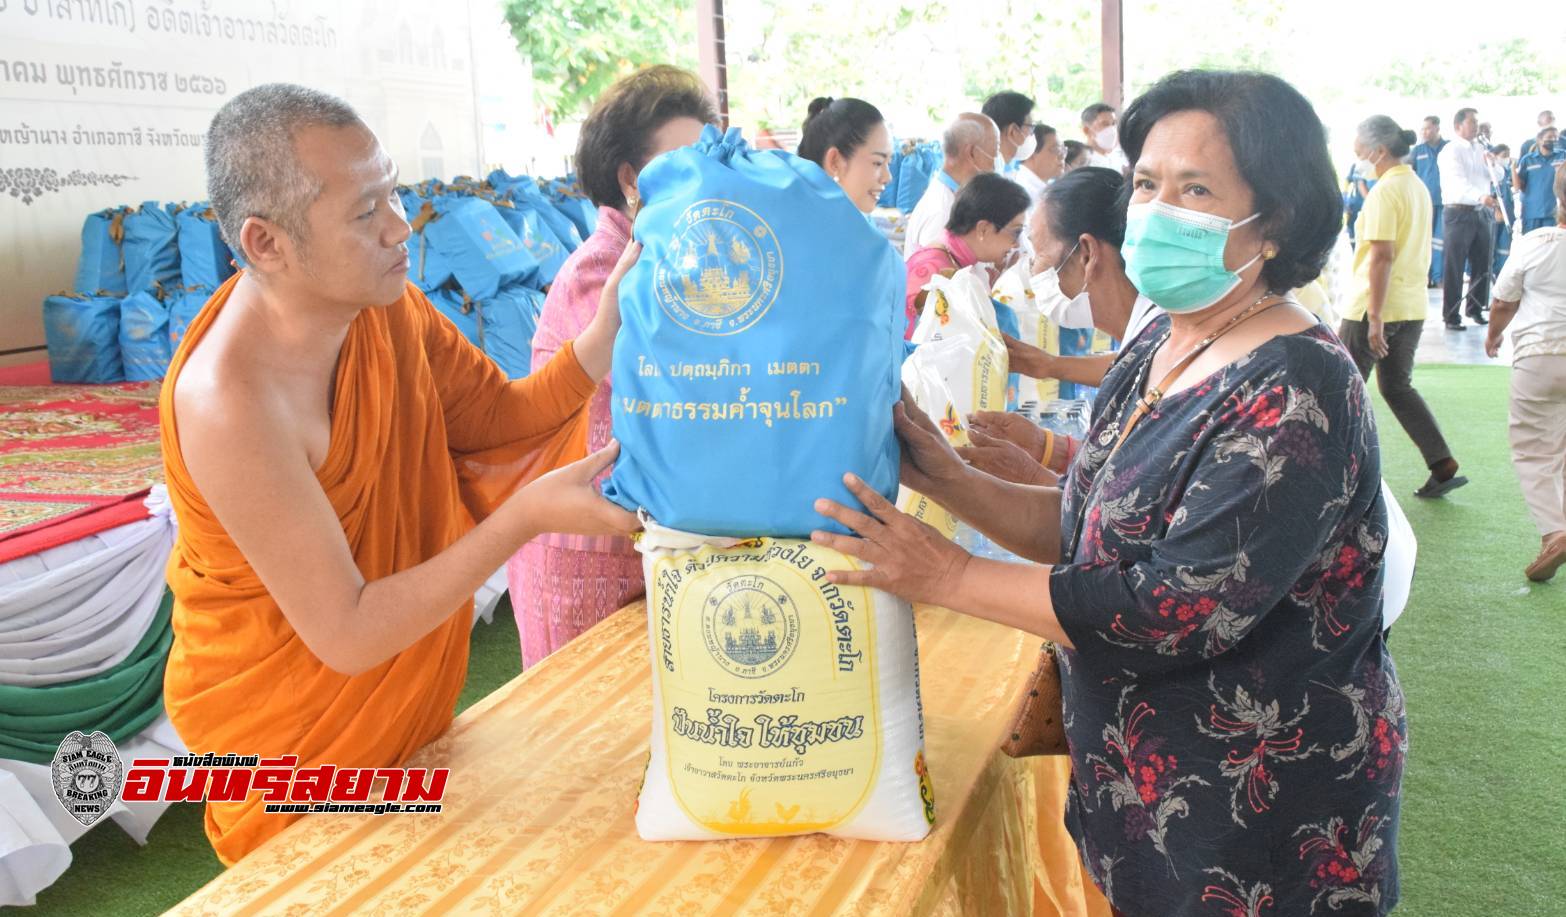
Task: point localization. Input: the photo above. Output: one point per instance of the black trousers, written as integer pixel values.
(1467, 237)
(1394, 376)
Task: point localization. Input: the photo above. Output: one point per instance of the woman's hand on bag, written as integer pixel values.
(1013, 428)
(566, 500)
(1005, 460)
(595, 345)
(905, 556)
(930, 464)
(1028, 360)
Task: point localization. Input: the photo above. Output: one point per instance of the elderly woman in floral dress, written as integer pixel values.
(1211, 565)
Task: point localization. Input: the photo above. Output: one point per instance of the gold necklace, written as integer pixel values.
(1147, 402)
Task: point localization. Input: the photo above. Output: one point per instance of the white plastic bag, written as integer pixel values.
(782, 704)
(959, 307)
(1015, 288)
(1397, 561)
(922, 376)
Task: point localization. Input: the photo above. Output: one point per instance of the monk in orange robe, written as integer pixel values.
(346, 469)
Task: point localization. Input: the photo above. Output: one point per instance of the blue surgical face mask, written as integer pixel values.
(1175, 255)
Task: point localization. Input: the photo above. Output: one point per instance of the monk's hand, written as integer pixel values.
(609, 299)
(1005, 460)
(900, 554)
(929, 464)
(566, 500)
(1013, 428)
(595, 345)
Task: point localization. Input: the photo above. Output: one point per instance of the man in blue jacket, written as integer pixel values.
(1423, 158)
(1535, 180)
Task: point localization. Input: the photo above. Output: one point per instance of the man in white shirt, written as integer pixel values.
(1103, 140)
(1012, 113)
(1466, 218)
(1036, 172)
(1530, 297)
(971, 146)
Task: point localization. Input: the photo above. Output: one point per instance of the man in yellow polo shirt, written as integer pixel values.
(1385, 309)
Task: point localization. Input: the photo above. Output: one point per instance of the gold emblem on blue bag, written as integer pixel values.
(722, 269)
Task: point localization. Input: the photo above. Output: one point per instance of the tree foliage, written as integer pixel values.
(1512, 67)
(577, 48)
(919, 61)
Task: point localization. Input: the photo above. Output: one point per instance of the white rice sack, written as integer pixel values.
(782, 704)
(1015, 289)
(959, 307)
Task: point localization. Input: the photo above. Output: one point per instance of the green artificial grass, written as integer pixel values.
(1479, 651)
(113, 875)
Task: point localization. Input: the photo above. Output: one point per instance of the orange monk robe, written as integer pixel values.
(426, 434)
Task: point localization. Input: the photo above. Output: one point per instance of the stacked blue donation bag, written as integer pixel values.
(753, 367)
(146, 271)
(486, 252)
(142, 274)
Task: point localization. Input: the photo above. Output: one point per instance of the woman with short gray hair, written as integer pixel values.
(1384, 313)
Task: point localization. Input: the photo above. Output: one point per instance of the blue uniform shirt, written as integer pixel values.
(1503, 194)
(1424, 162)
(1538, 177)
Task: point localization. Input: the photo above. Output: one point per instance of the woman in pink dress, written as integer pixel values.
(561, 585)
(985, 226)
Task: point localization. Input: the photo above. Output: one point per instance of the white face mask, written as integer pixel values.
(1028, 148)
(1365, 168)
(1107, 138)
(1075, 312)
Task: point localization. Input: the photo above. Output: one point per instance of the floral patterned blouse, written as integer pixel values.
(1236, 726)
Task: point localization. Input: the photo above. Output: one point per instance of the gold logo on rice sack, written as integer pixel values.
(750, 626)
(722, 270)
(767, 679)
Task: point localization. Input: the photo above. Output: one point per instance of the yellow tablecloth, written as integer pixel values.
(545, 772)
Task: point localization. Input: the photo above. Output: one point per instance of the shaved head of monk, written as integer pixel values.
(303, 191)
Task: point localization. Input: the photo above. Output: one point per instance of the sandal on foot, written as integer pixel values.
(1433, 488)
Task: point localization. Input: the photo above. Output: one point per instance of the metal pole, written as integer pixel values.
(1114, 52)
(713, 61)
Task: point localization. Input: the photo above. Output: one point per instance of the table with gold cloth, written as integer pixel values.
(538, 812)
